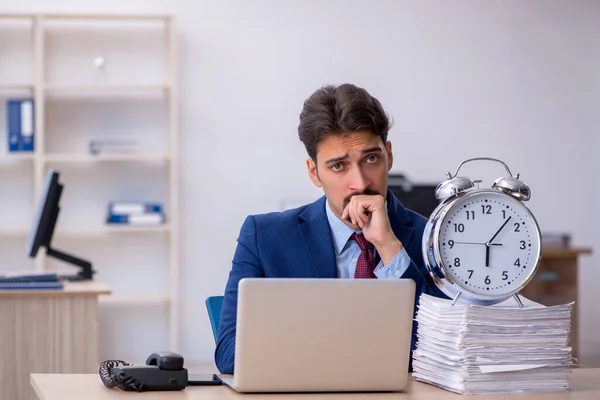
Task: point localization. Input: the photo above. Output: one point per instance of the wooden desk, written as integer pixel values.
(556, 282)
(585, 386)
(47, 331)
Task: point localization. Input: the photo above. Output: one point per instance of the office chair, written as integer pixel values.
(213, 306)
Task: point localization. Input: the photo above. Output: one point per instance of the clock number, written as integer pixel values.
(504, 275)
(457, 262)
(518, 262)
(470, 273)
(517, 225)
(503, 214)
(459, 228)
(470, 214)
(487, 280)
(451, 243)
(486, 209)
(522, 245)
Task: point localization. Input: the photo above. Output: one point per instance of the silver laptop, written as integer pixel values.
(322, 335)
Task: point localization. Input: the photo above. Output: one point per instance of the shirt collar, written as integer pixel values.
(339, 230)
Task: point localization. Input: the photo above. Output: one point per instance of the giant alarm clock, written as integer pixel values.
(482, 245)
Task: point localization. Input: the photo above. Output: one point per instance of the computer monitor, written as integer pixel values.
(44, 222)
(419, 197)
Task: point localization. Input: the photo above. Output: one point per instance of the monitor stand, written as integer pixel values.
(86, 272)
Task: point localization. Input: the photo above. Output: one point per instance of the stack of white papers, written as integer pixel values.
(497, 349)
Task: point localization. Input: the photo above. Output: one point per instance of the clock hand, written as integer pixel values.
(496, 234)
(486, 244)
(489, 243)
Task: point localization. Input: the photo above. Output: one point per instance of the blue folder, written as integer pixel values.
(20, 124)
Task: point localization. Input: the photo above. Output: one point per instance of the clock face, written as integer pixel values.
(489, 243)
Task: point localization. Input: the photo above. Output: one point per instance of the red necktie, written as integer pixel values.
(366, 261)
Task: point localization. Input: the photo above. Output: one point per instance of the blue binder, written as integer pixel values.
(21, 125)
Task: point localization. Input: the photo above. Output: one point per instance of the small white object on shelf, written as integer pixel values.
(101, 73)
(99, 62)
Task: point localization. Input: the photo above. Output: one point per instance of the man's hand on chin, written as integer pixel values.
(368, 212)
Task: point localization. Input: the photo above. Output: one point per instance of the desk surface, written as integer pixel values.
(70, 289)
(584, 386)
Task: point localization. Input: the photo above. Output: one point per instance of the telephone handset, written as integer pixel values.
(166, 360)
(163, 371)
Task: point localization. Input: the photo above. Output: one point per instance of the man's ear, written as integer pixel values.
(390, 156)
(312, 172)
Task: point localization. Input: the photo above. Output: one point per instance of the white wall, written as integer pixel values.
(515, 80)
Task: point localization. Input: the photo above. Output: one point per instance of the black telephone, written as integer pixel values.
(163, 371)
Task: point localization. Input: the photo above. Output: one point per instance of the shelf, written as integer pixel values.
(117, 17)
(88, 232)
(16, 86)
(133, 229)
(14, 232)
(103, 88)
(136, 299)
(12, 157)
(17, 16)
(88, 158)
(109, 229)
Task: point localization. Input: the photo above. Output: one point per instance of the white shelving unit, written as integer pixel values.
(134, 94)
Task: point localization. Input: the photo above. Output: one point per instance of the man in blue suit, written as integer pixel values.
(358, 229)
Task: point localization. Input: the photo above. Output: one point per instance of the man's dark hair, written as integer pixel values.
(340, 109)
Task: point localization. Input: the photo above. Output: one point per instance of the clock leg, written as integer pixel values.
(456, 297)
(516, 296)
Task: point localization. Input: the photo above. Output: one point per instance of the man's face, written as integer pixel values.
(350, 164)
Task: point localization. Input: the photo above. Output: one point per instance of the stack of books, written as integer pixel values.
(30, 280)
(499, 349)
(135, 213)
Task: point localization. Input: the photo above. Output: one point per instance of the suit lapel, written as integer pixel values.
(317, 237)
(400, 220)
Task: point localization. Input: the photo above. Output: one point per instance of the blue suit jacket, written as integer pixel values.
(297, 244)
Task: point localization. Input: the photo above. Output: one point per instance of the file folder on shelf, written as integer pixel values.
(20, 120)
